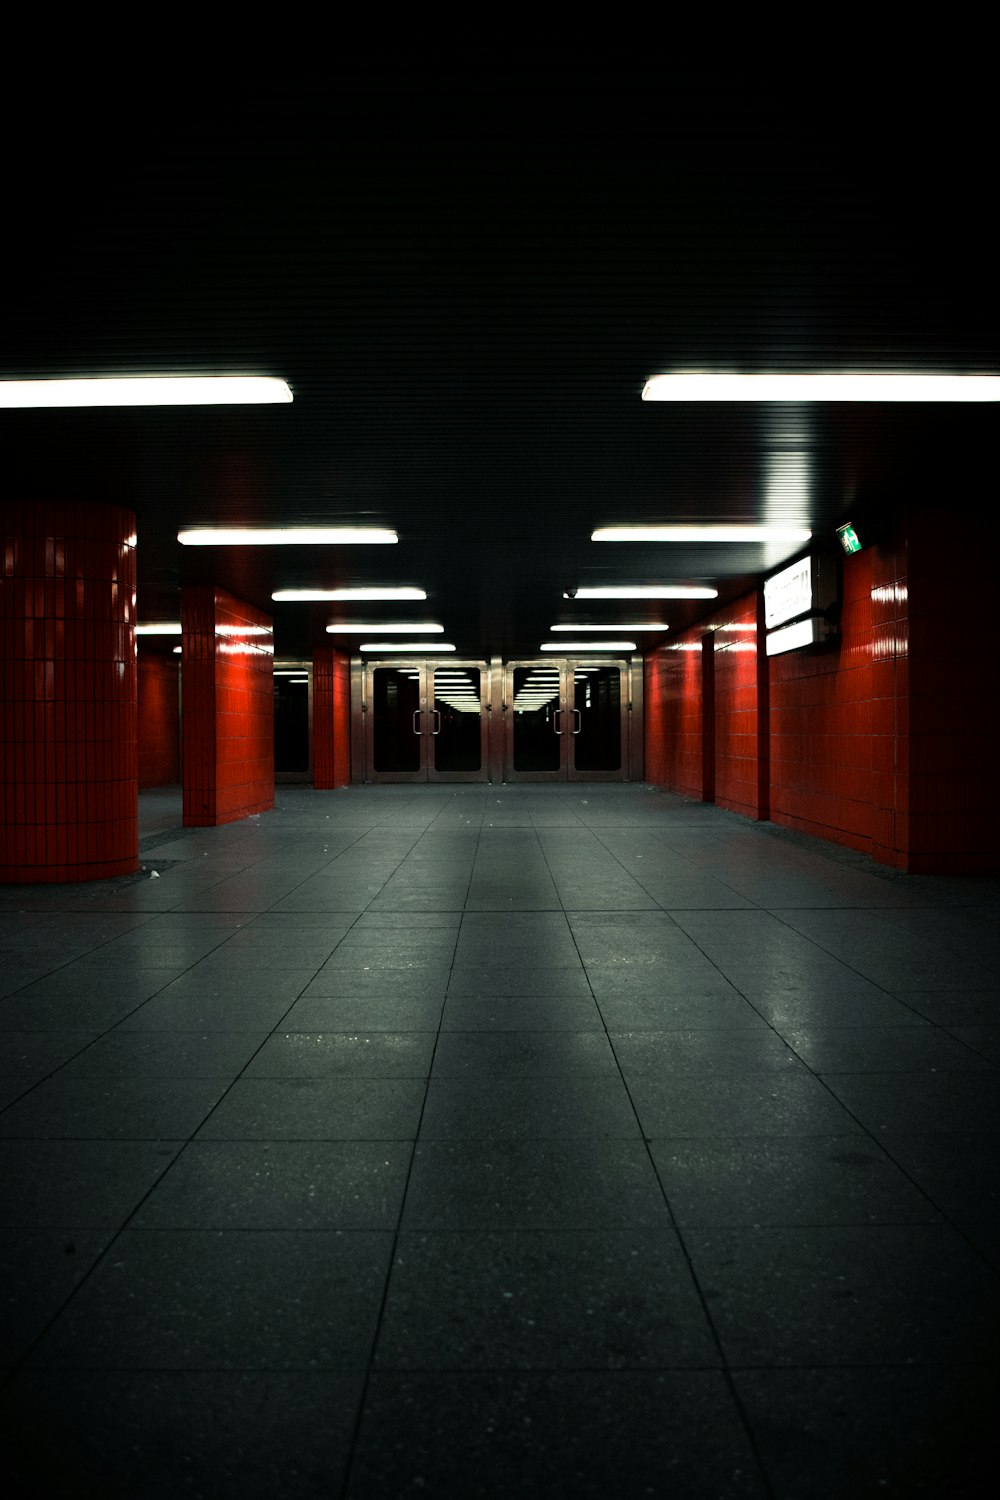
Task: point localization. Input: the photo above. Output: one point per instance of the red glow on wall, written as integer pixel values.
(331, 719)
(228, 695)
(159, 720)
(67, 598)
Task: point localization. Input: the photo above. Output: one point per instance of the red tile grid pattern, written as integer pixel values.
(331, 719)
(839, 717)
(228, 696)
(740, 729)
(672, 709)
(159, 720)
(69, 751)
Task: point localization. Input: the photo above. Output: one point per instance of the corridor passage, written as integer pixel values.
(464, 1141)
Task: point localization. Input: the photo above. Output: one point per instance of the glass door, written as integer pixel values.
(425, 721)
(566, 720)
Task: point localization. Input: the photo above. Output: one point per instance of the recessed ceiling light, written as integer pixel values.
(645, 591)
(821, 387)
(146, 390)
(587, 646)
(711, 533)
(285, 536)
(424, 628)
(164, 627)
(430, 648)
(608, 628)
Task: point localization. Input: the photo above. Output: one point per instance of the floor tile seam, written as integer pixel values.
(713, 1330)
(657, 904)
(369, 1367)
(924, 1192)
(823, 948)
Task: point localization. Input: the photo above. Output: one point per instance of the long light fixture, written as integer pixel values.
(422, 628)
(709, 533)
(430, 648)
(163, 627)
(285, 536)
(587, 646)
(147, 390)
(645, 591)
(366, 596)
(608, 628)
(841, 386)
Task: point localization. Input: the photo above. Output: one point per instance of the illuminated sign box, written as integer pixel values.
(802, 633)
(796, 602)
(805, 587)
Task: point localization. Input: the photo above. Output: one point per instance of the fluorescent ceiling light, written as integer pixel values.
(288, 671)
(821, 387)
(369, 596)
(646, 591)
(285, 536)
(429, 647)
(765, 533)
(606, 628)
(424, 628)
(146, 390)
(178, 650)
(587, 646)
(165, 627)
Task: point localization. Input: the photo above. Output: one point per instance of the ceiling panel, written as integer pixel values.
(466, 274)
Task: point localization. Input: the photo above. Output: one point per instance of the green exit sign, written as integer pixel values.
(849, 539)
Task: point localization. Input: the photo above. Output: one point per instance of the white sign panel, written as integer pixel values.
(788, 593)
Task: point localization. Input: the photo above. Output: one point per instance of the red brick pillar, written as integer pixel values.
(227, 676)
(67, 602)
(331, 719)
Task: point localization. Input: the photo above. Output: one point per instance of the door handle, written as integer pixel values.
(416, 716)
(557, 714)
(579, 720)
(437, 714)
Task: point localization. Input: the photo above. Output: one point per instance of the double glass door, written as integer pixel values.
(567, 720)
(426, 721)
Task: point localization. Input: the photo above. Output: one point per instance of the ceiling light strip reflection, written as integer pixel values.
(587, 646)
(816, 386)
(146, 390)
(710, 533)
(359, 596)
(646, 591)
(286, 536)
(430, 648)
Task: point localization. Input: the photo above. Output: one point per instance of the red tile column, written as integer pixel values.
(227, 676)
(67, 602)
(331, 719)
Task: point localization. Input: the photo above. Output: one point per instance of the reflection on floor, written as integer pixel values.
(491, 1141)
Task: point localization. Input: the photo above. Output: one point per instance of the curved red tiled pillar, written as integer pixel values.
(67, 601)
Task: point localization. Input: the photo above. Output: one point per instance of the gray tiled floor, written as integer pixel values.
(499, 1141)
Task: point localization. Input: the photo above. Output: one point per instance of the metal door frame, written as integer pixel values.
(631, 718)
(362, 721)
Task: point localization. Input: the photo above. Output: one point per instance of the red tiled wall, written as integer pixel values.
(67, 602)
(676, 712)
(159, 721)
(839, 731)
(740, 727)
(954, 806)
(331, 719)
(228, 724)
(672, 714)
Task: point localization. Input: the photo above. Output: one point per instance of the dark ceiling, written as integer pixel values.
(466, 273)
